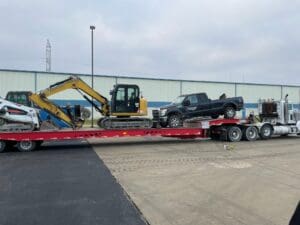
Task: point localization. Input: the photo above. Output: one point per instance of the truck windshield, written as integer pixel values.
(178, 100)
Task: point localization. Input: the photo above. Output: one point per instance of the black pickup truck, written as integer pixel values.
(197, 105)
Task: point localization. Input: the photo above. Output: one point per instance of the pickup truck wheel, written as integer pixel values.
(26, 146)
(174, 121)
(2, 146)
(266, 131)
(229, 112)
(234, 134)
(250, 134)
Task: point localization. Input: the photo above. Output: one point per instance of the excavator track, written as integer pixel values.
(125, 123)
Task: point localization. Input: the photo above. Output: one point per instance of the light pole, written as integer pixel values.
(92, 28)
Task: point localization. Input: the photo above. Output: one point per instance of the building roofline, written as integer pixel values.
(146, 78)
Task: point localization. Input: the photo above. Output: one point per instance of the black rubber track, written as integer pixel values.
(61, 184)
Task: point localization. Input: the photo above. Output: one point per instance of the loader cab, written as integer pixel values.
(19, 97)
(125, 99)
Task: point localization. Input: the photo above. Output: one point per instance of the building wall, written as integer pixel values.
(157, 91)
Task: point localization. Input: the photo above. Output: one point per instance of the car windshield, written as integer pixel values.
(178, 100)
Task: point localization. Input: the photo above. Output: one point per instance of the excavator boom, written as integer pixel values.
(78, 84)
(41, 99)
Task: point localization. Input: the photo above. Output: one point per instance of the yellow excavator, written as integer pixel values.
(124, 111)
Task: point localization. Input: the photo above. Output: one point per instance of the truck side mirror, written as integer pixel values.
(186, 102)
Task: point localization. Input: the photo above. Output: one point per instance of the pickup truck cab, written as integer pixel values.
(197, 105)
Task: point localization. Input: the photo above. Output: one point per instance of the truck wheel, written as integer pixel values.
(250, 134)
(266, 131)
(26, 146)
(234, 134)
(2, 146)
(174, 121)
(229, 112)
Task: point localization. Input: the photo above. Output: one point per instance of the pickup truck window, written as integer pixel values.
(203, 98)
(193, 99)
(178, 100)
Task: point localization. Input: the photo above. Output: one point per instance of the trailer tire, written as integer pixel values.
(2, 146)
(26, 146)
(266, 131)
(234, 134)
(250, 133)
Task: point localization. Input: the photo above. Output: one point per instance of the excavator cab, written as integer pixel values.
(126, 101)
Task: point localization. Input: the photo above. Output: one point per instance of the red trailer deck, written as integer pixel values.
(28, 141)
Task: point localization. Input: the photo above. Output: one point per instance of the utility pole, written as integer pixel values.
(48, 56)
(92, 28)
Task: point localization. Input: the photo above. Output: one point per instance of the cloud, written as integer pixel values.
(231, 40)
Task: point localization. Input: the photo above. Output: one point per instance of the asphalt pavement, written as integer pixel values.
(63, 183)
(195, 182)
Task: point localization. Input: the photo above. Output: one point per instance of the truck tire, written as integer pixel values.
(234, 134)
(2, 146)
(174, 121)
(250, 133)
(266, 131)
(229, 112)
(26, 146)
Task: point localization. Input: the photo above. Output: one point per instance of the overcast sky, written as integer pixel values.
(228, 40)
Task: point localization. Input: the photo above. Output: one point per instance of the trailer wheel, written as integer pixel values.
(250, 134)
(2, 146)
(266, 131)
(234, 134)
(26, 146)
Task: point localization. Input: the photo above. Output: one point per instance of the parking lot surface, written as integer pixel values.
(63, 183)
(204, 182)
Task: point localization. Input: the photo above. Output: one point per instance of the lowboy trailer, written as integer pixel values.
(232, 130)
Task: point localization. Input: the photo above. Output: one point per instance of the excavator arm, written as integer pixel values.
(41, 99)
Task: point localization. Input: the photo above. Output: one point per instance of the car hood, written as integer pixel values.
(169, 106)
